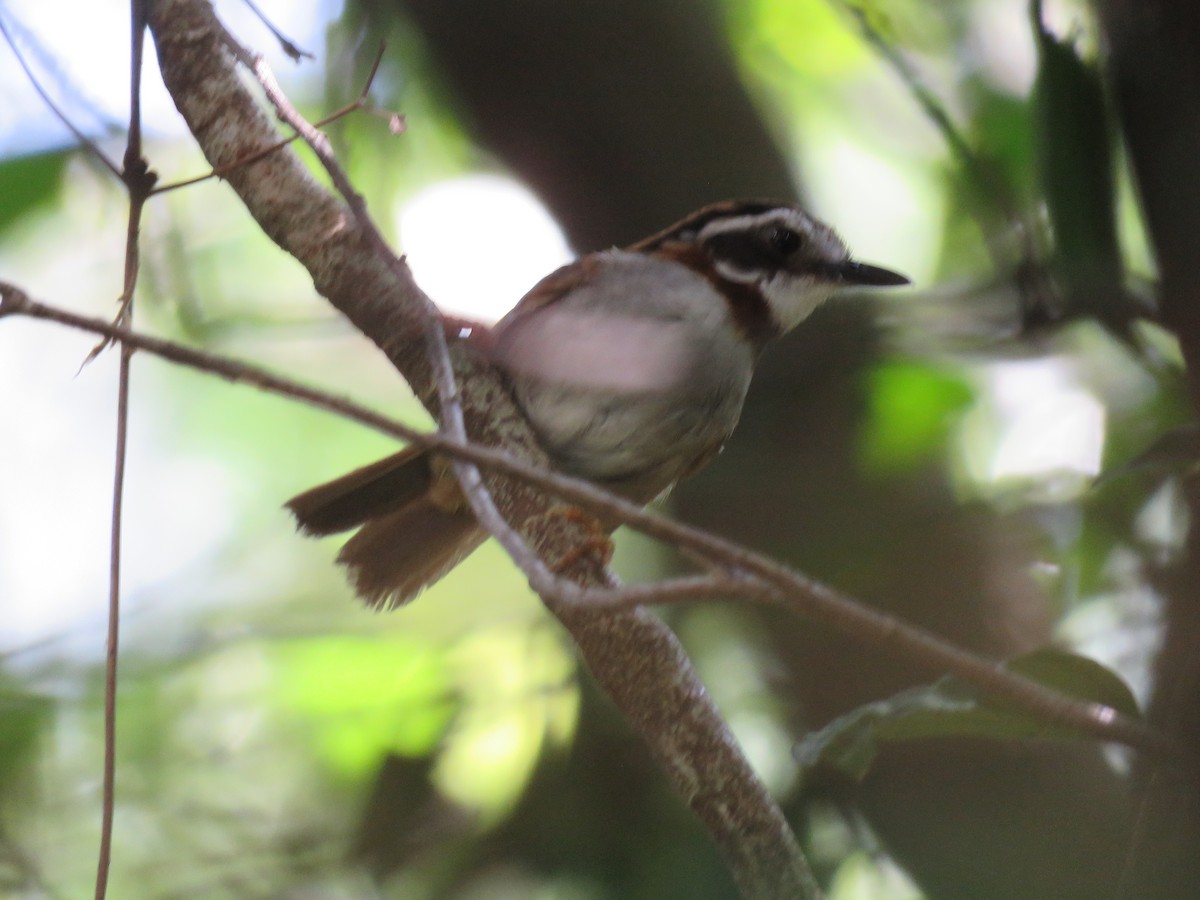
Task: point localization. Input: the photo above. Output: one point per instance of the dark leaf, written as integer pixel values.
(952, 708)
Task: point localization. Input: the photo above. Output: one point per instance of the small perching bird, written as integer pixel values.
(630, 365)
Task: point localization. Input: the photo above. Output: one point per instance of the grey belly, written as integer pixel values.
(615, 436)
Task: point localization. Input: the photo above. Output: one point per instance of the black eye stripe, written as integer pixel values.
(766, 249)
(784, 240)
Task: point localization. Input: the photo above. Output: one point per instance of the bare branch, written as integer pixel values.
(741, 574)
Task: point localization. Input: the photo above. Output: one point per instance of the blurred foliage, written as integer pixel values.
(27, 183)
(365, 697)
(23, 718)
(262, 713)
(912, 409)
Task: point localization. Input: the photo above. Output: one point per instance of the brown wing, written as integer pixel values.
(550, 289)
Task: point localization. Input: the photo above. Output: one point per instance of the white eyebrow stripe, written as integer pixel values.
(788, 218)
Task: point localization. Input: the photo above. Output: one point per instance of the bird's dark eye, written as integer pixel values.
(784, 240)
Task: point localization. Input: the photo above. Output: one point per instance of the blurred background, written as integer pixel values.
(1000, 454)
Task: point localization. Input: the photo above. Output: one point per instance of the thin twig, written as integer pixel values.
(138, 180)
(253, 157)
(83, 140)
(453, 425)
(113, 631)
(360, 102)
(288, 46)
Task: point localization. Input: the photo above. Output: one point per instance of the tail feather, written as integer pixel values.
(364, 494)
(392, 559)
(415, 525)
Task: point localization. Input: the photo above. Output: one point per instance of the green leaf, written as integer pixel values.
(27, 182)
(953, 708)
(1076, 169)
(911, 408)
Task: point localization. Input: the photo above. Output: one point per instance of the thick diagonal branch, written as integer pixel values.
(633, 656)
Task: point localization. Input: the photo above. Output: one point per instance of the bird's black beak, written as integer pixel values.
(851, 272)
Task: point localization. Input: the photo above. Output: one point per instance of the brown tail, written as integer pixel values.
(414, 529)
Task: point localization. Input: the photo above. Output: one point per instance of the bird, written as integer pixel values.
(631, 366)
